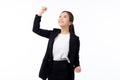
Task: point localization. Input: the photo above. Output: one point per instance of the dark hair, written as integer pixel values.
(71, 18)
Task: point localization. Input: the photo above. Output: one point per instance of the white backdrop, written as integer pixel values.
(96, 22)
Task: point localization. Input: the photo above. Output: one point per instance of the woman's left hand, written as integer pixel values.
(78, 69)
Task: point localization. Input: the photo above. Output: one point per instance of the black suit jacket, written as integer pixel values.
(74, 47)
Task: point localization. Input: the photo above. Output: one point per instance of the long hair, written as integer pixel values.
(71, 19)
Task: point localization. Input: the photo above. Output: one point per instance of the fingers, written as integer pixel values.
(42, 10)
(78, 69)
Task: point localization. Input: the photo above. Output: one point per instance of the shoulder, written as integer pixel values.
(56, 29)
(77, 39)
(76, 36)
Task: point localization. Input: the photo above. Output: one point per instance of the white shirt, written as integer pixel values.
(61, 47)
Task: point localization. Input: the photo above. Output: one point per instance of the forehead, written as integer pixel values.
(64, 14)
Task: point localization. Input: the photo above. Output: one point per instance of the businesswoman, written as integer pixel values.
(62, 55)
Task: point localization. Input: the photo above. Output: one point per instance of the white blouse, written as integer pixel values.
(61, 47)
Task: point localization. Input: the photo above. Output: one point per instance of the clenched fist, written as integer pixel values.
(42, 10)
(78, 69)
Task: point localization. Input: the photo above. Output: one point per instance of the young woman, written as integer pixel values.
(62, 54)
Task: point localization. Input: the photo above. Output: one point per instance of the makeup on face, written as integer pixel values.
(64, 19)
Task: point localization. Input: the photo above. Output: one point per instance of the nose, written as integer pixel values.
(60, 19)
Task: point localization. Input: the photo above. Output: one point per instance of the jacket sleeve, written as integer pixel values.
(38, 30)
(76, 61)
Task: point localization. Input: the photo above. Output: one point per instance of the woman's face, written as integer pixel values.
(63, 20)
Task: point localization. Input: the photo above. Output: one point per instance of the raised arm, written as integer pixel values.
(36, 24)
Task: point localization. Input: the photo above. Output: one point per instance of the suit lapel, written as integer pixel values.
(51, 41)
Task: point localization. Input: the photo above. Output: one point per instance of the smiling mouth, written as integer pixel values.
(61, 22)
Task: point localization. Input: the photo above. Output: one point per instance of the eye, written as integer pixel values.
(65, 16)
(60, 16)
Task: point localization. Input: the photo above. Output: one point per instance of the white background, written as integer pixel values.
(97, 23)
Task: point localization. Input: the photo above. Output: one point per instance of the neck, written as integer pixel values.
(65, 31)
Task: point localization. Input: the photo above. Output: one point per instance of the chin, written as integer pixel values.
(61, 26)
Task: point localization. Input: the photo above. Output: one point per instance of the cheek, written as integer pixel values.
(66, 20)
(58, 20)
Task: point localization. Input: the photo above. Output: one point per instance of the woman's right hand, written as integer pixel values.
(42, 10)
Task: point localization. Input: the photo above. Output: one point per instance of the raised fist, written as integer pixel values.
(42, 10)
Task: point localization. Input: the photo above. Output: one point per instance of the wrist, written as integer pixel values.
(39, 14)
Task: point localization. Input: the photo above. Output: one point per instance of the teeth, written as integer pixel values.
(61, 21)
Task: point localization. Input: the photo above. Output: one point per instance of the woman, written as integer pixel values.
(62, 54)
